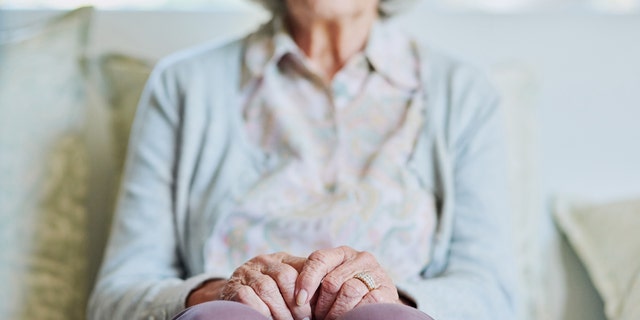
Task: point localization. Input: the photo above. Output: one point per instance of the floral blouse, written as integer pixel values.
(339, 154)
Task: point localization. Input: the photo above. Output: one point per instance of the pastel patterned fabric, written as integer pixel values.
(338, 153)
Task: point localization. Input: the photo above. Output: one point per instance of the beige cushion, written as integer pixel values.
(606, 237)
(124, 80)
(43, 170)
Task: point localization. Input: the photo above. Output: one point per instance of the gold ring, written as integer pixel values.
(367, 279)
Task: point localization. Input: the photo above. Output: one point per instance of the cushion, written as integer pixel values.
(606, 238)
(43, 169)
(124, 81)
(517, 86)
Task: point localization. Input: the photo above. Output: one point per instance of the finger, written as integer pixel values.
(245, 295)
(285, 277)
(381, 295)
(268, 291)
(386, 292)
(361, 262)
(296, 262)
(333, 282)
(317, 266)
(350, 295)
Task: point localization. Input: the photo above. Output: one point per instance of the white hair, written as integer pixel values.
(386, 8)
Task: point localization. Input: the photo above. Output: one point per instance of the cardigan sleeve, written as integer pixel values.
(477, 280)
(141, 274)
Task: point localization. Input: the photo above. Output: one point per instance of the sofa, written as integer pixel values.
(69, 85)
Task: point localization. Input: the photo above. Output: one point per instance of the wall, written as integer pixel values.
(588, 72)
(587, 68)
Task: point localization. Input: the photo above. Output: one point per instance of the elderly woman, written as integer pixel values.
(324, 167)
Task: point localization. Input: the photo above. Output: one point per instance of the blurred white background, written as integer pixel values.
(583, 57)
(501, 6)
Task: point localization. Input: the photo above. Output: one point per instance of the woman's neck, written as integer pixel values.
(329, 44)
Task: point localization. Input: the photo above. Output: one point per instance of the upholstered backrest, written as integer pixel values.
(43, 169)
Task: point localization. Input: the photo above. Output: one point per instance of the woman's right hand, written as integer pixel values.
(266, 283)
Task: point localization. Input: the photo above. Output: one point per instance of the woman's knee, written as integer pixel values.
(385, 311)
(219, 310)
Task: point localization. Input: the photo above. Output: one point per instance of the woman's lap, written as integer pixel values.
(384, 311)
(223, 310)
(226, 310)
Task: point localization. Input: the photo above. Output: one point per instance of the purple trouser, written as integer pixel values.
(226, 310)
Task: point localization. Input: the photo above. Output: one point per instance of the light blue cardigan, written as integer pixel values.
(189, 154)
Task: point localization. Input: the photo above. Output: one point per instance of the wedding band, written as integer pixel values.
(367, 279)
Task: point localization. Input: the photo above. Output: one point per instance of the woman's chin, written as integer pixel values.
(332, 9)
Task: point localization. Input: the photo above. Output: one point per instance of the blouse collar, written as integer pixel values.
(389, 51)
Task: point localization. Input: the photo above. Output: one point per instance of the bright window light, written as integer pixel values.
(504, 6)
(127, 4)
(507, 6)
(617, 5)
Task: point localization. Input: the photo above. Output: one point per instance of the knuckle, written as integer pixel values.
(331, 284)
(243, 294)
(346, 249)
(391, 293)
(338, 308)
(312, 269)
(279, 255)
(239, 272)
(351, 290)
(286, 275)
(252, 261)
(320, 256)
(377, 296)
(257, 260)
(367, 257)
(229, 291)
(265, 288)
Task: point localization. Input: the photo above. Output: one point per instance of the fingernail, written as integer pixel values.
(306, 318)
(301, 299)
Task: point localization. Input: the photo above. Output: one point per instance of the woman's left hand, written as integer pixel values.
(328, 277)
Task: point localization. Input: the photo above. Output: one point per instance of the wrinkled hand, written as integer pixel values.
(327, 278)
(208, 291)
(267, 284)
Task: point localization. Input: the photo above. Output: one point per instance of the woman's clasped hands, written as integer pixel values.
(327, 284)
